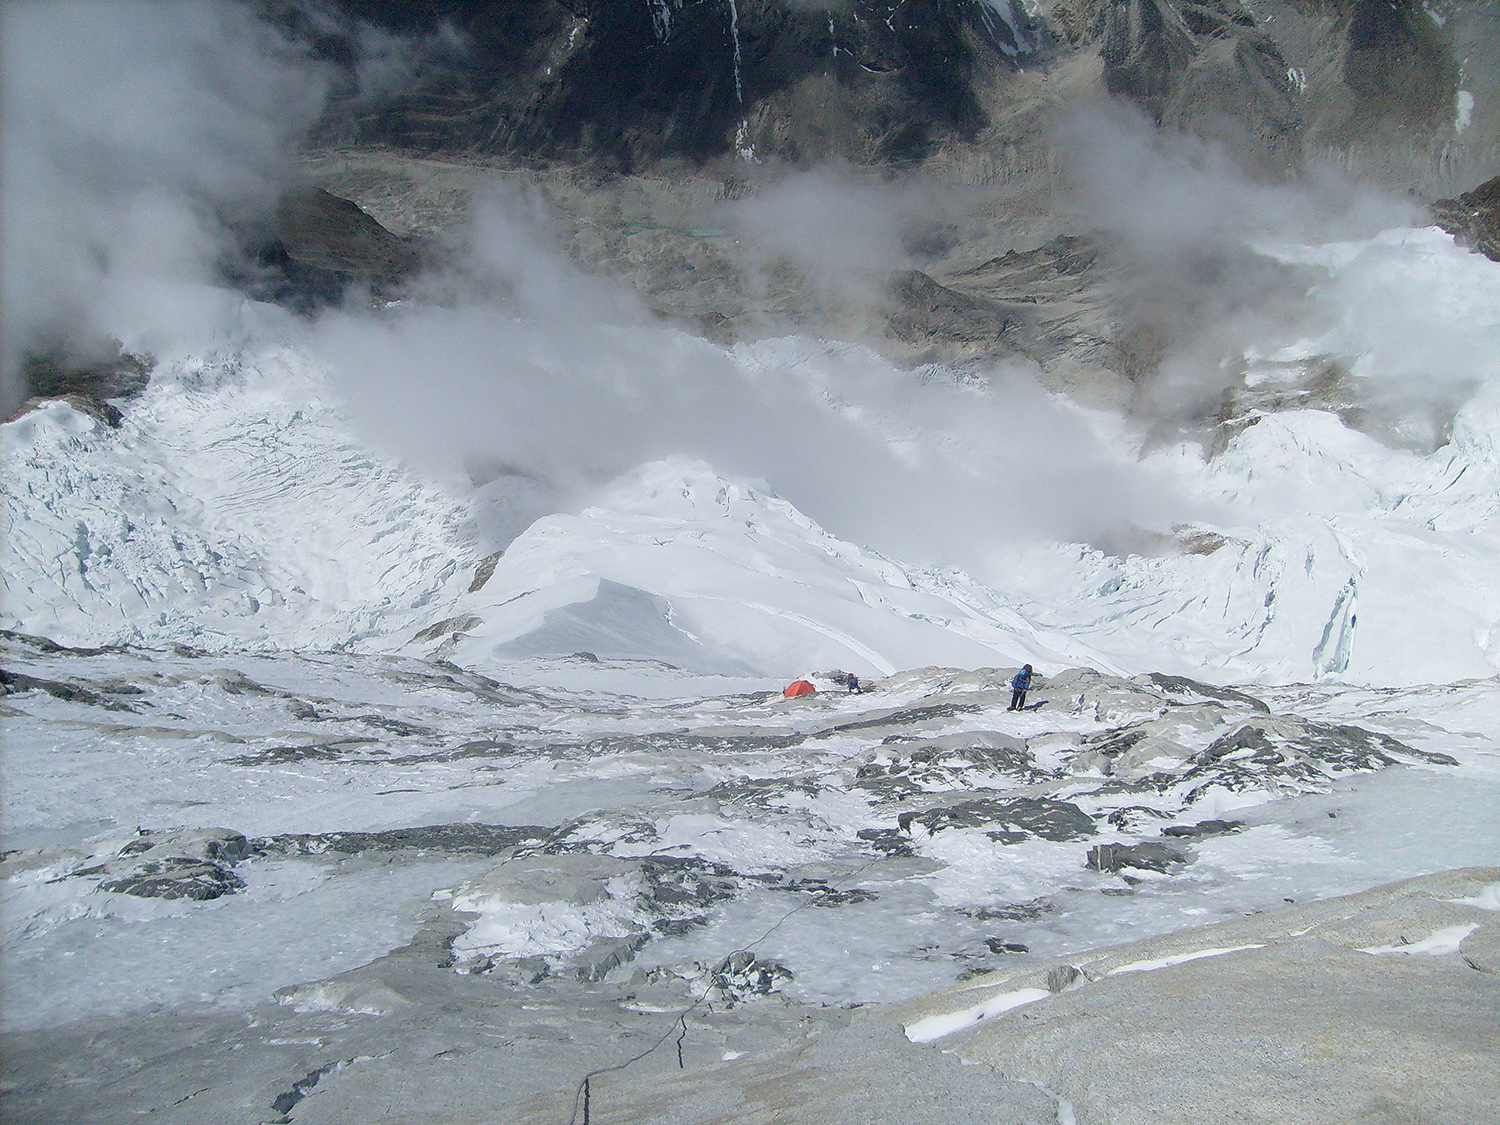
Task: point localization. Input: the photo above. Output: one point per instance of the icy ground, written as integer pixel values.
(291, 750)
(638, 824)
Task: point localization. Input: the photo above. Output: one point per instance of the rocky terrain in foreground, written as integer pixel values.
(383, 815)
(368, 881)
(1354, 1012)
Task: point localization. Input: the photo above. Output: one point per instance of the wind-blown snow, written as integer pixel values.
(235, 506)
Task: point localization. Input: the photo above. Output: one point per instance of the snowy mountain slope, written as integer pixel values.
(741, 573)
(1405, 590)
(1332, 555)
(235, 506)
(1342, 557)
(275, 819)
(231, 507)
(1400, 585)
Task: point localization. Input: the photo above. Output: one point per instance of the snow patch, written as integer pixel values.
(1152, 964)
(1487, 899)
(1463, 111)
(936, 1027)
(1436, 944)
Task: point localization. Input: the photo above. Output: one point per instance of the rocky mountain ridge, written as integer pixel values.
(658, 135)
(625, 87)
(650, 130)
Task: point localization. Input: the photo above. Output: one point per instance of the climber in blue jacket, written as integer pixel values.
(1019, 686)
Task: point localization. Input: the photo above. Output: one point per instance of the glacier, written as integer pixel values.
(300, 757)
(454, 425)
(236, 504)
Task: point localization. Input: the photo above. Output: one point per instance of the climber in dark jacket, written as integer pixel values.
(1019, 686)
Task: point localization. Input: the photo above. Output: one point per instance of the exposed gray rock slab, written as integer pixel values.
(1352, 1010)
(1146, 856)
(1276, 1017)
(402, 1040)
(190, 863)
(948, 762)
(1012, 818)
(1481, 949)
(1203, 828)
(455, 839)
(861, 1073)
(176, 877)
(1313, 1032)
(1196, 689)
(14, 683)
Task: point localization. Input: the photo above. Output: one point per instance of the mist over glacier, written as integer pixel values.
(938, 471)
(396, 672)
(521, 385)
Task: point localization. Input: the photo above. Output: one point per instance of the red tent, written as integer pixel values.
(798, 687)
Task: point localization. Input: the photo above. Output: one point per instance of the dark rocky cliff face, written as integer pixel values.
(1207, 68)
(88, 378)
(628, 83)
(311, 248)
(1473, 218)
(642, 122)
(1395, 62)
(1280, 80)
(624, 85)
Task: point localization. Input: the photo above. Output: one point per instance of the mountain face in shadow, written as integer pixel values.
(644, 123)
(628, 84)
(623, 85)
